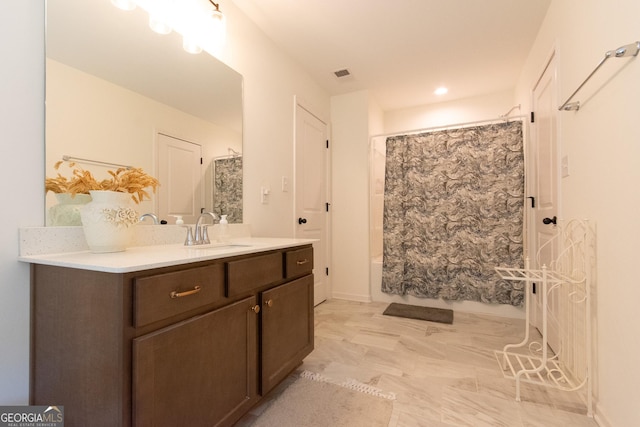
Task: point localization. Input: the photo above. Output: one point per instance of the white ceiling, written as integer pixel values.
(402, 50)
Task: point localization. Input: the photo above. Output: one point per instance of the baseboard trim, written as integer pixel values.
(600, 418)
(351, 297)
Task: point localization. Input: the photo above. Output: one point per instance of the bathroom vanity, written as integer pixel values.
(167, 335)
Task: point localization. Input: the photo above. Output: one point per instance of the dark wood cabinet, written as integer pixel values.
(199, 372)
(287, 329)
(196, 344)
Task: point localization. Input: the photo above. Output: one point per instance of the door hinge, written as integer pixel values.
(327, 143)
(326, 205)
(326, 271)
(533, 117)
(201, 162)
(533, 201)
(533, 288)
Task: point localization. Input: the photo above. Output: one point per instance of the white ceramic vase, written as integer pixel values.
(67, 211)
(108, 221)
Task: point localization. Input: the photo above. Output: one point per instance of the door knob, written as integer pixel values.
(302, 220)
(548, 221)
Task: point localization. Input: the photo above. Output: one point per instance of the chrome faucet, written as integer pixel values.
(149, 215)
(201, 236)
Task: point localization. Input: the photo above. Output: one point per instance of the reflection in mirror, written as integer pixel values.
(118, 93)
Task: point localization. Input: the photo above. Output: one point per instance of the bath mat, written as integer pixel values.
(312, 401)
(440, 315)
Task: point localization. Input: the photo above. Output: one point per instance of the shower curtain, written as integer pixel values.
(227, 188)
(453, 210)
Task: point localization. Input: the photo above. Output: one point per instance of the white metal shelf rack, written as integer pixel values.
(567, 280)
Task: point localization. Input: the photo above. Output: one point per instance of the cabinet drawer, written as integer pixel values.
(298, 263)
(252, 273)
(165, 295)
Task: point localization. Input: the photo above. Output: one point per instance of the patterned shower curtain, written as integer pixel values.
(227, 188)
(453, 210)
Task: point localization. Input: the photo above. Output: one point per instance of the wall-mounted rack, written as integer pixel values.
(67, 158)
(621, 52)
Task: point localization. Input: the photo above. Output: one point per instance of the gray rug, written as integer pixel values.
(440, 315)
(312, 402)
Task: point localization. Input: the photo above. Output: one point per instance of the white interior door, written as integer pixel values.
(545, 190)
(180, 175)
(311, 217)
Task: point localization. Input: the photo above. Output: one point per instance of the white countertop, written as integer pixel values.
(154, 256)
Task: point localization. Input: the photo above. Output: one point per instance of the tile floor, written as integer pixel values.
(442, 375)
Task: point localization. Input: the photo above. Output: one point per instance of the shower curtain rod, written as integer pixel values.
(228, 156)
(452, 126)
(232, 154)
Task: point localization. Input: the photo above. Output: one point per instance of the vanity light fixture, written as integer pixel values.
(199, 25)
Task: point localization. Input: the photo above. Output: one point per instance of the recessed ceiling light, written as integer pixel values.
(441, 90)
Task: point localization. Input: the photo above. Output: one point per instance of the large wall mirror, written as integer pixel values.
(119, 94)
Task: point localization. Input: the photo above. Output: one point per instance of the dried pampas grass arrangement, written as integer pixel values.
(123, 180)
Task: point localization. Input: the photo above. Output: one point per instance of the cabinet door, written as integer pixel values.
(287, 329)
(199, 372)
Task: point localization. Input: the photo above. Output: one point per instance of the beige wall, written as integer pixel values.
(350, 195)
(486, 107)
(602, 144)
(21, 180)
(271, 81)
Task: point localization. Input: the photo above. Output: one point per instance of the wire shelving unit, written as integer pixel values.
(566, 282)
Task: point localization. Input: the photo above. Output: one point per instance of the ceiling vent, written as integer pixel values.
(342, 73)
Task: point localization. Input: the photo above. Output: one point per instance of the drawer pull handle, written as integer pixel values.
(255, 308)
(269, 303)
(175, 294)
(302, 261)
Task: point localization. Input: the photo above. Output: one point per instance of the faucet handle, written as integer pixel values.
(188, 241)
(205, 234)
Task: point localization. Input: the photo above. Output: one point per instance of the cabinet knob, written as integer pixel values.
(269, 303)
(255, 309)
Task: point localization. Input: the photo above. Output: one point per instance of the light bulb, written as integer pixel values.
(124, 4)
(190, 45)
(441, 90)
(158, 25)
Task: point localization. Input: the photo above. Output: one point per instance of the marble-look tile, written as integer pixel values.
(376, 339)
(442, 375)
(460, 407)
